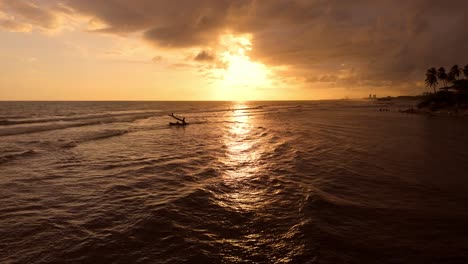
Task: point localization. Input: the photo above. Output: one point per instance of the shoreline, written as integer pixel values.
(452, 112)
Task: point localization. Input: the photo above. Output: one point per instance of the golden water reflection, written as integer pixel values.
(241, 162)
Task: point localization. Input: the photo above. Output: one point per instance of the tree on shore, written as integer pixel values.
(442, 75)
(431, 78)
(455, 71)
(451, 77)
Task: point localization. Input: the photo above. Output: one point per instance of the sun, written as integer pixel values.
(240, 77)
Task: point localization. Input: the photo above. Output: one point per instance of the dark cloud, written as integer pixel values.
(176, 36)
(382, 40)
(204, 56)
(176, 24)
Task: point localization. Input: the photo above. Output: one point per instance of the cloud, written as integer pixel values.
(13, 26)
(180, 65)
(23, 15)
(324, 78)
(157, 58)
(382, 40)
(204, 56)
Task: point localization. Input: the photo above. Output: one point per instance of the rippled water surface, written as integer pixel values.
(262, 182)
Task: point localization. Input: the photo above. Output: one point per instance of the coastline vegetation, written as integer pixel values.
(452, 95)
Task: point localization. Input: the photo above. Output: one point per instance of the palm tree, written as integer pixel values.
(465, 71)
(455, 71)
(431, 78)
(451, 77)
(442, 75)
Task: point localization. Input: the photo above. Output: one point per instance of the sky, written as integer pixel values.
(225, 49)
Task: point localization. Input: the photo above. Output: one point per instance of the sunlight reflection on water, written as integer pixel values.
(241, 162)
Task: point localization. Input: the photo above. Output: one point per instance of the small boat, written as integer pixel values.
(177, 124)
(181, 119)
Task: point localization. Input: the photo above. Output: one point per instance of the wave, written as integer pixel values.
(13, 156)
(17, 130)
(107, 134)
(9, 122)
(4, 122)
(98, 136)
(220, 110)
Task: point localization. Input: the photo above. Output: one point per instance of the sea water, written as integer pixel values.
(244, 182)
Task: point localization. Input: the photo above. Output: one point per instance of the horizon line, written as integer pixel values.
(303, 100)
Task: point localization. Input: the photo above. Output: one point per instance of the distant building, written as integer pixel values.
(375, 96)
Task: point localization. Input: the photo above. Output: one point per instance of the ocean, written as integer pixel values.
(245, 182)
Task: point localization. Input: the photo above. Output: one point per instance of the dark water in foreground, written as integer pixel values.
(263, 182)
